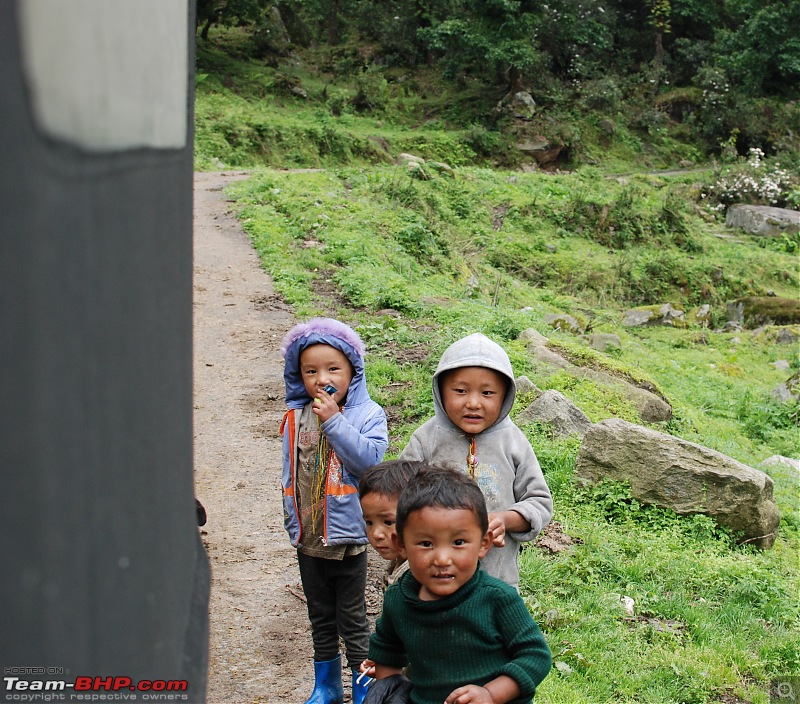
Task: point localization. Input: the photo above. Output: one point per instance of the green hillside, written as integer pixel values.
(480, 237)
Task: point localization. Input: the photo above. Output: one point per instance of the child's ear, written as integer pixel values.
(397, 544)
(486, 545)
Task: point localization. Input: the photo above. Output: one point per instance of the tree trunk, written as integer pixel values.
(515, 80)
(334, 34)
(659, 59)
(206, 27)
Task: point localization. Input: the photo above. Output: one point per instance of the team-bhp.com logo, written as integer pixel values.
(93, 684)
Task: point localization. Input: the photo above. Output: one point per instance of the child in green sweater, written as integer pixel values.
(467, 637)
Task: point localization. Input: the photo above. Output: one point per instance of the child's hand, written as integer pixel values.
(501, 522)
(367, 667)
(497, 691)
(497, 529)
(325, 405)
(470, 694)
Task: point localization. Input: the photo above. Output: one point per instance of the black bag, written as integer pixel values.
(395, 689)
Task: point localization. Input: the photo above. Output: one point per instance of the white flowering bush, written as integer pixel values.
(753, 180)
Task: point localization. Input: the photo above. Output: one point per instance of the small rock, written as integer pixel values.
(700, 315)
(637, 317)
(608, 127)
(603, 342)
(670, 315)
(626, 603)
(556, 411)
(441, 168)
(416, 171)
(526, 386)
(533, 337)
(777, 460)
(405, 158)
(524, 103)
(563, 321)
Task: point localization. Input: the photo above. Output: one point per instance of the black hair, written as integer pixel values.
(388, 478)
(439, 486)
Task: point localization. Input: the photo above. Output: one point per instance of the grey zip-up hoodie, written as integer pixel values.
(508, 472)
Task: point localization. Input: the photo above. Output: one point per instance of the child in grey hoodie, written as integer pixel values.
(473, 393)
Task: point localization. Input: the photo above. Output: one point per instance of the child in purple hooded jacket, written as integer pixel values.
(332, 432)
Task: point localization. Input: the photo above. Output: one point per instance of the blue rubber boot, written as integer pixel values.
(361, 684)
(327, 682)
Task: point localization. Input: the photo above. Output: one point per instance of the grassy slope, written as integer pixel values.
(496, 251)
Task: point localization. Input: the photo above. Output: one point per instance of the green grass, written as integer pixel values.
(246, 115)
(712, 619)
(250, 113)
(496, 251)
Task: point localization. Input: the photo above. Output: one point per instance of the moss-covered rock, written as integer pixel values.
(754, 311)
(660, 314)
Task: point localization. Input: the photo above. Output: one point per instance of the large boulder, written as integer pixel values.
(688, 478)
(540, 148)
(763, 220)
(558, 412)
(270, 36)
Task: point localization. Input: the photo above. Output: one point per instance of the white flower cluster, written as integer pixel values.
(760, 184)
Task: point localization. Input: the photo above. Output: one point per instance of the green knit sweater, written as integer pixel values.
(482, 631)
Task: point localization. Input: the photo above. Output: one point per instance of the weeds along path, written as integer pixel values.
(259, 644)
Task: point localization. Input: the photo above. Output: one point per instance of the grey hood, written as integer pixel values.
(476, 350)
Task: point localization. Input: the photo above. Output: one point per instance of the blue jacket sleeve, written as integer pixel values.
(361, 445)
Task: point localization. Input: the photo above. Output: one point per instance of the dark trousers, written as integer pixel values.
(334, 592)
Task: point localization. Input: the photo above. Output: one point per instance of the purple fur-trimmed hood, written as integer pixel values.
(325, 327)
(325, 331)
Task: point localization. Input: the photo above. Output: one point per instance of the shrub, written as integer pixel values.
(754, 181)
(372, 93)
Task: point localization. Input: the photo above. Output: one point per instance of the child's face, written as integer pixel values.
(473, 397)
(323, 364)
(379, 514)
(443, 547)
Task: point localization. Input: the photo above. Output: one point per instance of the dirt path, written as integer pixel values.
(260, 646)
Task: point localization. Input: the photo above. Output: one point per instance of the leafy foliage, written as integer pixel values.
(740, 56)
